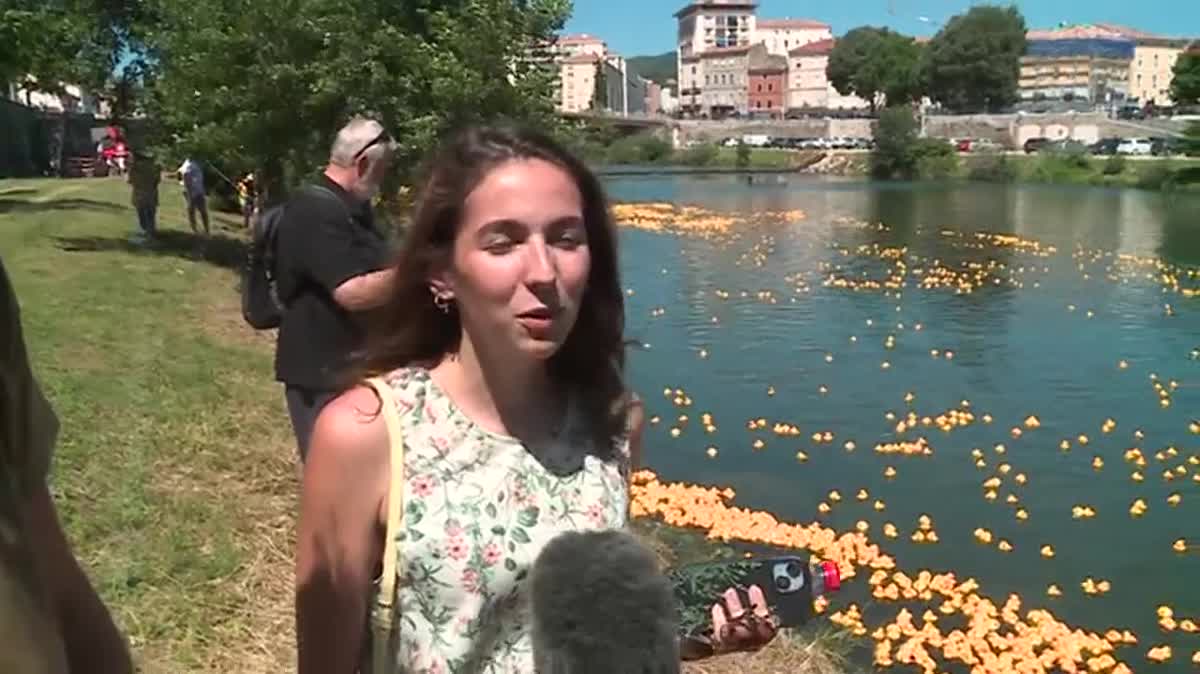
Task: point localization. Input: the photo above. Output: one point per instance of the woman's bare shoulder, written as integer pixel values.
(351, 428)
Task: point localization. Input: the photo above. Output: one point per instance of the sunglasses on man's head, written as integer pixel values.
(383, 135)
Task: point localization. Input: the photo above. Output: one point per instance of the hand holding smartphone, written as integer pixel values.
(787, 584)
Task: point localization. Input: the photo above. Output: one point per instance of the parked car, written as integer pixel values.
(1034, 145)
(1135, 146)
(1105, 146)
(1131, 112)
(1067, 146)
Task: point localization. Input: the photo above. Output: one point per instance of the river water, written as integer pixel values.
(1077, 337)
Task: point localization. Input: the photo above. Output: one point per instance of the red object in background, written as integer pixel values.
(964, 145)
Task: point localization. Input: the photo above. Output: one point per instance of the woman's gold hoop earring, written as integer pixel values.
(442, 302)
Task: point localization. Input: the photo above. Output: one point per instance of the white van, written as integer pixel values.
(1134, 146)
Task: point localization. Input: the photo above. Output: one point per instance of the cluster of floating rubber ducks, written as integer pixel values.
(996, 639)
(691, 220)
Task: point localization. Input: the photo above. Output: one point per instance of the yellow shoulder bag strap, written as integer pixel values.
(383, 606)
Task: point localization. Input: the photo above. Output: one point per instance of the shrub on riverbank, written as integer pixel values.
(993, 167)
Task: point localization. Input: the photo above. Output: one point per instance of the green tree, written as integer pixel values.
(895, 137)
(743, 154)
(868, 62)
(973, 63)
(47, 43)
(600, 88)
(1185, 81)
(266, 84)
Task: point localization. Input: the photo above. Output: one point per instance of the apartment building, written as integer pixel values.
(1152, 69)
(1077, 63)
(713, 57)
(576, 44)
(705, 25)
(808, 85)
(780, 36)
(577, 78)
(726, 79)
(766, 90)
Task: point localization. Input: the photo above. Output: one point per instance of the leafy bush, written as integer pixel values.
(1157, 176)
(698, 155)
(935, 158)
(895, 141)
(994, 167)
(743, 155)
(1061, 167)
(1114, 165)
(639, 149)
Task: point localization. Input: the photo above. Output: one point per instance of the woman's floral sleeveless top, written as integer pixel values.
(479, 506)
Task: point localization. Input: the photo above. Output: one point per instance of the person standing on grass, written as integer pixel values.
(501, 343)
(330, 267)
(191, 172)
(144, 177)
(247, 191)
(51, 620)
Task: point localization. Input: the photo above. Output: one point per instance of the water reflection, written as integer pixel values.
(1018, 350)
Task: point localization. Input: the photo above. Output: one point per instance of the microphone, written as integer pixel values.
(600, 605)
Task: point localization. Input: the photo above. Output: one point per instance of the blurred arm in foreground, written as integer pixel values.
(50, 616)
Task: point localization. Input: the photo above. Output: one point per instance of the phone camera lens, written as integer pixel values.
(793, 570)
(783, 583)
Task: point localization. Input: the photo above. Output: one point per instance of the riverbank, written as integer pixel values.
(175, 472)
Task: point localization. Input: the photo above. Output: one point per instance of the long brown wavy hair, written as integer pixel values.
(411, 330)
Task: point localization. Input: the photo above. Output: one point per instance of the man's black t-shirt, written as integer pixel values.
(321, 244)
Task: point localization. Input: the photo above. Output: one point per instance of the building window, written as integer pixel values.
(770, 87)
(760, 88)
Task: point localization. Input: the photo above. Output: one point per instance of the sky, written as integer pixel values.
(640, 27)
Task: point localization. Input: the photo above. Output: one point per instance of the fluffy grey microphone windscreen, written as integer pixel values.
(601, 605)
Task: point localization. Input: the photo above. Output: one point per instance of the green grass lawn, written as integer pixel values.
(174, 472)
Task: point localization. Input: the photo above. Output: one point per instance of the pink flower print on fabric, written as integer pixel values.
(456, 548)
(492, 554)
(470, 581)
(595, 514)
(422, 485)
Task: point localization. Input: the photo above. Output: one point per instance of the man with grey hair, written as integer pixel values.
(330, 268)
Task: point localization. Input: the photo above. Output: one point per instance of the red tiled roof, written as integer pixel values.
(694, 7)
(578, 38)
(791, 23)
(818, 48)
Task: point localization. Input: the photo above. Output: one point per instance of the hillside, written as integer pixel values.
(660, 67)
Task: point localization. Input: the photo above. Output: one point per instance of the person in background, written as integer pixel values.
(248, 197)
(331, 269)
(144, 177)
(502, 341)
(51, 619)
(191, 172)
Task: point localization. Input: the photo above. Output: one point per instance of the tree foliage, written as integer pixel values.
(266, 84)
(900, 152)
(1185, 81)
(868, 62)
(47, 43)
(973, 63)
(600, 87)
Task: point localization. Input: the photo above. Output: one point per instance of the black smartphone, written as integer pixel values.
(789, 584)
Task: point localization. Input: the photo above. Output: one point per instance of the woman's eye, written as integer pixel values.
(570, 239)
(498, 244)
